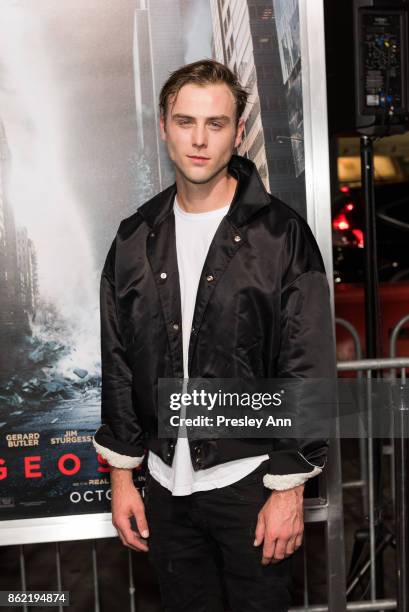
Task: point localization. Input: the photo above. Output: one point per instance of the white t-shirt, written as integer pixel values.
(194, 233)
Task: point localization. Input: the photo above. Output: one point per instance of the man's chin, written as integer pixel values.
(199, 180)
(201, 175)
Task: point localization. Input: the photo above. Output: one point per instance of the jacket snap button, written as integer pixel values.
(209, 277)
(163, 275)
(237, 238)
(175, 326)
(152, 234)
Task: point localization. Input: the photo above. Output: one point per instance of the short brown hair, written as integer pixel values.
(203, 72)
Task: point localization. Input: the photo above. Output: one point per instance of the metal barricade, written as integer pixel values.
(58, 585)
(393, 353)
(394, 338)
(363, 452)
(365, 367)
(400, 460)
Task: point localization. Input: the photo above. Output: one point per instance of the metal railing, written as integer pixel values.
(399, 455)
(367, 366)
(363, 453)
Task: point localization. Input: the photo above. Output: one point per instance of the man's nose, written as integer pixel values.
(199, 136)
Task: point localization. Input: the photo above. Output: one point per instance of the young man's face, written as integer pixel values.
(201, 131)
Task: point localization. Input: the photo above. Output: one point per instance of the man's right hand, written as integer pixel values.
(127, 502)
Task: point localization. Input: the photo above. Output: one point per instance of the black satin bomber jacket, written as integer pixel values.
(262, 310)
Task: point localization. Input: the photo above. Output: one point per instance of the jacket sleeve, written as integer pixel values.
(119, 439)
(306, 351)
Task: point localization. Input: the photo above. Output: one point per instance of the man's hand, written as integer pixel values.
(127, 502)
(281, 524)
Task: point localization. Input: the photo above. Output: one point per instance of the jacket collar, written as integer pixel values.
(250, 195)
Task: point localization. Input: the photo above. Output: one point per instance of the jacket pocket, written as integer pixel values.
(251, 357)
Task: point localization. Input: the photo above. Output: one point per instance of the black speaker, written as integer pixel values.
(367, 66)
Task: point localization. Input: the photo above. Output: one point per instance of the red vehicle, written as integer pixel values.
(349, 305)
(393, 264)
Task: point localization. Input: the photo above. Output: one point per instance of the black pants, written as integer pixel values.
(201, 547)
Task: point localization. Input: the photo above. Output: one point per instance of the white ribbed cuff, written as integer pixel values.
(116, 459)
(281, 482)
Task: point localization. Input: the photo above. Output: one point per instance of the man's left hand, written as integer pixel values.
(281, 524)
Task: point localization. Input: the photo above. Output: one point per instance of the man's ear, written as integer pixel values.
(239, 132)
(162, 127)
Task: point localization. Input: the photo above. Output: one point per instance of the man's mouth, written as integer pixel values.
(198, 158)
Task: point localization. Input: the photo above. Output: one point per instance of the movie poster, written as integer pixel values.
(79, 151)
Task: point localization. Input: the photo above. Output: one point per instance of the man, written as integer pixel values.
(215, 278)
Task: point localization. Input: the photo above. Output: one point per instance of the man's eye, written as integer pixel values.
(213, 124)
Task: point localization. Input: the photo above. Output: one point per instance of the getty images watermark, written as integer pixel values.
(206, 400)
(205, 408)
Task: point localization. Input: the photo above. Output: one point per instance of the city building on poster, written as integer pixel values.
(247, 37)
